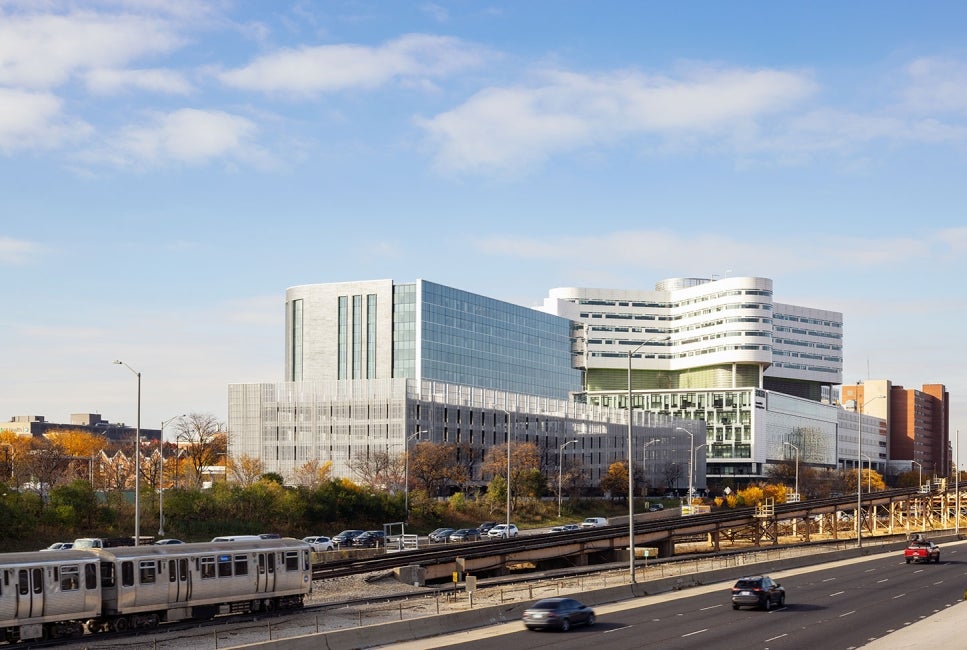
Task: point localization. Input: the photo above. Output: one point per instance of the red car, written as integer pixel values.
(921, 551)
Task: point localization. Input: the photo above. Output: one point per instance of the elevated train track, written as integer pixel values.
(889, 511)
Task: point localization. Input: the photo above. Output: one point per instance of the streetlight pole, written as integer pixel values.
(137, 461)
(631, 473)
(161, 477)
(644, 463)
(919, 474)
(507, 413)
(957, 481)
(797, 466)
(869, 474)
(691, 460)
(406, 474)
(859, 463)
(560, 473)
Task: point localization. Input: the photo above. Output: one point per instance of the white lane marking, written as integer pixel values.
(694, 633)
(899, 596)
(883, 580)
(776, 637)
(849, 613)
(618, 629)
(712, 607)
(838, 593)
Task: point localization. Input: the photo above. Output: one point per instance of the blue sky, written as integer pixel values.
(169, 167)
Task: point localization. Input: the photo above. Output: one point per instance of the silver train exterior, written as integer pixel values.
(59, 594)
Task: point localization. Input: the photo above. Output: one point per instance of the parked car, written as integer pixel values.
(557, 613)
(345, 538)
(485, 527)
(59, 546)
(166, 541)
(565, 528)
(370, 539)
(501, 530)
(655, 507)
(921, 550)
(594, 522)
(440, 535)
(465, 535)
(319, 543)
(758, 591)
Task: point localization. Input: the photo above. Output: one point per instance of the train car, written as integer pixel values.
(142, 586)
(47, 594)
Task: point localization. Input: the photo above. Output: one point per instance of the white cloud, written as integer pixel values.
(188, 136)
(43, 51)
(34, 120)
(107, 81)
(15, 252)
(936, 85)
(330, 68)
(517, 127)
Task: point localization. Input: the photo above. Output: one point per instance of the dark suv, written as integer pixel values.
(370, 539)
(758, 591)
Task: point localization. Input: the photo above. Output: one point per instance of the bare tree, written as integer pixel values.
(372, 468)
(202, 443)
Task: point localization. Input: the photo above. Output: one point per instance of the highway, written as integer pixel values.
(837, 606)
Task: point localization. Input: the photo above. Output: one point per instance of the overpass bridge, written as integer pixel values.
(888, 512)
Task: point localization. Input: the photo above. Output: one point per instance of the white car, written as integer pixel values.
(501, 530)
(594, 522)
(319, 543)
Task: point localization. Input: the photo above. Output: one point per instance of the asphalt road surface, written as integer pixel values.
(835, 607)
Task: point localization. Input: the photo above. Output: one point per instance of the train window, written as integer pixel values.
(127, 574)
(148, 572)
(224, 566)
(107, 574)
(90, 576)
(292, 560)
(23, 582)
(271, 562)
(261, 564)
(70, 579)
(183, 565)
(38, 581)
(241, 565)
(208, 567)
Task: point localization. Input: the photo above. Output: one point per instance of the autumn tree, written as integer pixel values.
(244, 469)
(525, 461)
(312, 474)
(433, 466)
(202, 443)
(615, 481)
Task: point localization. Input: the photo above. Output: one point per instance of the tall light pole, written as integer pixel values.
(691, 458)
(137, 461)
(957, 481)
(797, 466)
(919, 474)
(406, 474)
(560, 473)
(631, 455)
(644, 464)
(859, 463)
(507, 413)
(869, 474)
(161, 477)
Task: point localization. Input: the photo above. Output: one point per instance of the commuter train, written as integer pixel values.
(59, 594)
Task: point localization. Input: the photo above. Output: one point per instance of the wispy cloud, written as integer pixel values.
(188, 136)
(517, 127)
(308, 71)
(17, 252)
(34, 120)
(45, 50)
(104, 81)
(667, 250)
